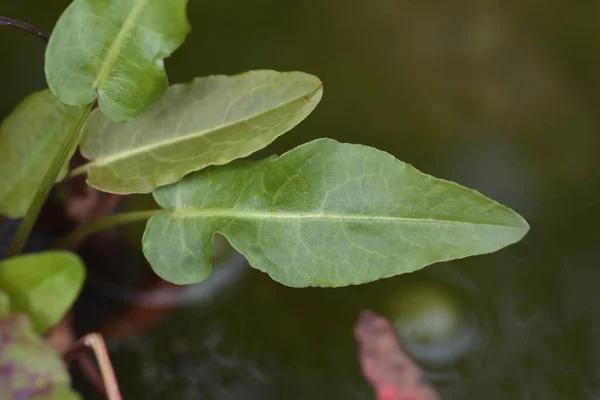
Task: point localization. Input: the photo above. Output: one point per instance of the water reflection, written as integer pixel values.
(436, 324)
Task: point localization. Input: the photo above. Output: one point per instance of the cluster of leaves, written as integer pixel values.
(324, 214)
(36, 290)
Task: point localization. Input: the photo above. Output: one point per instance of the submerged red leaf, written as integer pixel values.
(389, 370)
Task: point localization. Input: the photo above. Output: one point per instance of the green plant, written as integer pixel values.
(324, 214)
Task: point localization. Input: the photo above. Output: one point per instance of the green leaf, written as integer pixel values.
(113, 50)
(42, 285)
(30, 137)
(323, 214)
(4, 304)
(30, 369)
(210, 121)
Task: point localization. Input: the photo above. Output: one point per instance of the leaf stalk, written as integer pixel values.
(82, 169)
(67, 147)
(85, 230)
(25, 27)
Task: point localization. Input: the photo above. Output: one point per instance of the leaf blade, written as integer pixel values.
(323, 214)
(113, 50)
(210, 121)
(30, 137)
(31, 369)
(42, 285)
(4, 305)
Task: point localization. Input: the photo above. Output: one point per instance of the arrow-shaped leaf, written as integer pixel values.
(30, 137)
(113, 50)
(323, 214)
(42, 285)
(210, 121)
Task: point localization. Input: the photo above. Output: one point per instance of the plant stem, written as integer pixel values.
(95, 342)
(85, 230)
(24, 26)
(90, 371)
(68, 145)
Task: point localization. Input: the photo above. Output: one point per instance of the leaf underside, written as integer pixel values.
(30, 137)
(324, 214)
(43, 286)
(113, 50)
(210, 121)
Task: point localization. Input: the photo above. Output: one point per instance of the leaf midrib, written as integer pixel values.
(115, 48)
(192, 135)
(247, 214)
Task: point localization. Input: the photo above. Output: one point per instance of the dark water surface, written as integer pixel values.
(500, 98)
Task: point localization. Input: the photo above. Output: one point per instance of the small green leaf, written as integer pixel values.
(323, 214)
(42, 285)
(210, 121)
(30, 369)
(113, 50)
(30, 137)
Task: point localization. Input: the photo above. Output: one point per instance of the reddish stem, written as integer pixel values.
(95, 342)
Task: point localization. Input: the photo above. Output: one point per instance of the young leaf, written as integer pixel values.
(30, 369)
(323, 214)
(42, 285)
(113, 50)
(209, 121)
(30, 137)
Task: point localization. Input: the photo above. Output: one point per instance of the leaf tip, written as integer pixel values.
(523, 226)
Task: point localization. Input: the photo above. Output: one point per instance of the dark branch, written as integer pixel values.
(24, 26)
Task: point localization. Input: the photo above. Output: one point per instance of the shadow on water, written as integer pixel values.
(501, 98)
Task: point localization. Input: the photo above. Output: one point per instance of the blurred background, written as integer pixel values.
(502, 97)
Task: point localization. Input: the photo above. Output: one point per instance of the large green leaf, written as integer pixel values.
(323, 214)
(210, 121)
(29, 368)
(113, 50)
(42, 285)
(30, 137)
